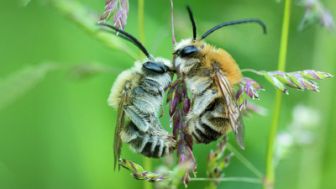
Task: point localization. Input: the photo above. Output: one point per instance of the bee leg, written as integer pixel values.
(144, 142)
(167, 149)
(161, 148)
(154, 143)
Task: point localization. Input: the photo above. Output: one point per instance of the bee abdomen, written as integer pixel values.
(208, 127)
(203, 133)
(154, 143)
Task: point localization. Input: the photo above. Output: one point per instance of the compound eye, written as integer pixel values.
(188, 51)
(155, 67)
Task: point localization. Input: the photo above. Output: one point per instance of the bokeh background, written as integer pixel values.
(59, 133)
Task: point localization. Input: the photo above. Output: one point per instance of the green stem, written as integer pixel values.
(230, 179)
(172, 21)
(245, 161)
(270, 169)
(141, 27)
(141, 20)
(261, 73)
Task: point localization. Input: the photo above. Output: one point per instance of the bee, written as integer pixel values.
(210, 74)
(137, 94)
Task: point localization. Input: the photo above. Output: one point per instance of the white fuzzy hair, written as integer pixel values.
(132, 75)
(164, 61)
(183, 43)
(119, 84)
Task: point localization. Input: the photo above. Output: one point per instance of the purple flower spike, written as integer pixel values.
(302, 80)
(327, 20)
(186, 105)
(118, 9)
(315, 75)
(179, 107)
(271, 77)
(315, 12)
(110, 6)
(250, 87)
(173, 104)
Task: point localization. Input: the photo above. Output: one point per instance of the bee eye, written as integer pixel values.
(155, 67)
(188, 51)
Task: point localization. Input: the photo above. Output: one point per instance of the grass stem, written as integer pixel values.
(141, 26)
(141, 20)
(270, 169)
(245, 161)
(229, 179)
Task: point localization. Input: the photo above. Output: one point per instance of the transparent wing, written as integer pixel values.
(119, 126)
(231, 105)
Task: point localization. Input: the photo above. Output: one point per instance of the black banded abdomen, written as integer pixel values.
(211, 125)
(153, 143)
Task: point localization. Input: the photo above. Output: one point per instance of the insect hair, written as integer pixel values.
(127, 37)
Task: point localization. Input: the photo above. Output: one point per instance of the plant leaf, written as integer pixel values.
(86, 71)
(17, 84)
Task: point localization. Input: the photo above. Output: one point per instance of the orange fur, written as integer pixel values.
(227, 64)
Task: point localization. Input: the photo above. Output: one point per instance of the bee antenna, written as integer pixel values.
(235, 22)
(191, 16)
(127, 37)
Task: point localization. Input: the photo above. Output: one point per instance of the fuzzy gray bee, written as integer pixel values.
(210, 74)
(137, 94)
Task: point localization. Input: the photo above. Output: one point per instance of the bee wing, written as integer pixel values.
(119, 126)
(232, 107)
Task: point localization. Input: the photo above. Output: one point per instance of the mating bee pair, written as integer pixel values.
(210, 75)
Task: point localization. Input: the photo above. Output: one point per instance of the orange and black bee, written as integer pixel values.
(210, 74)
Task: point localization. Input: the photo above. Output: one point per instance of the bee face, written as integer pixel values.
(157, 66)
(187, 54)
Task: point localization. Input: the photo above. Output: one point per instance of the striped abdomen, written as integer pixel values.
(144, 132)
(207, 120)
(211, 125)
(155, 142)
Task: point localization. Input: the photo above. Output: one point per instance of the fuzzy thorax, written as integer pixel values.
(224, 60)
(130, 76)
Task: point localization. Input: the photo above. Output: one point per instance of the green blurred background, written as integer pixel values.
(59, 134)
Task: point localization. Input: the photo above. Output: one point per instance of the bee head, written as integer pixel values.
(150, 64)
(188, 51)
(157, 66)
